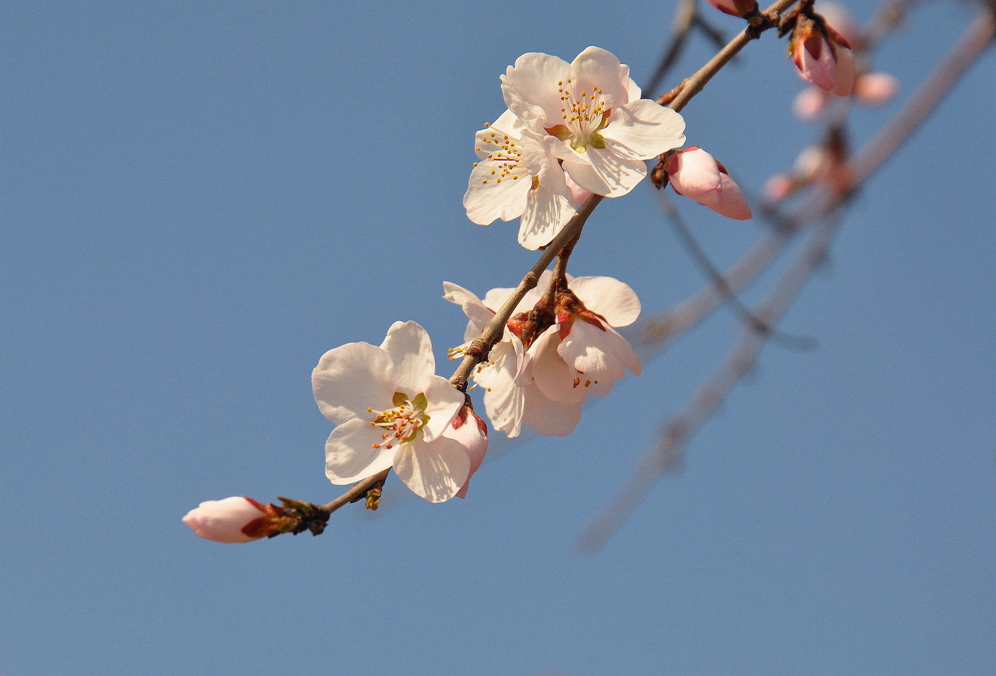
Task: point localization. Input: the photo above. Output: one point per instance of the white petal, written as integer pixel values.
(596, 67)
(500, 378)
(433, 470)
(609, 297)
(410, 348)
(547, 417)
(530, 89)
(600, 355)
(487, 199)
(643, 129)
(444, 401)
(554, 377)
(471, 305)
(604, 173)
(350, 455)
(545, 216)
(472, 433)
(352, 377)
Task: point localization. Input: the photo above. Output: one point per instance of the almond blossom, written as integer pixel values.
(391, 410)
(518, 175)
(571, 350)
(695, 174)
(604, 131)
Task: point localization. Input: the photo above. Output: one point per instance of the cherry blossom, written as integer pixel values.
(235, 519)
(604, 131)
(517, 174)
(391, 410)
(572, 350)
(695, 174)
(471, 432)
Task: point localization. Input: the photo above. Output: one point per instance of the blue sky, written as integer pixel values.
(202, 198)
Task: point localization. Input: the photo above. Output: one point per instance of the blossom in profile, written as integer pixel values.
(391, 410)
(557, 349)
(822, 56)
(603, 131)
(517, 175)
(697, 175)
(235, 519)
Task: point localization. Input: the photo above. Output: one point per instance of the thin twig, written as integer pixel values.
(873, 154)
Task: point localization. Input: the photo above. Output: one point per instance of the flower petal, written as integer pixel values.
(609, 297)
(351, 378)
(597, 68)
(554, 377)
(503, 397)
(600, 355)
(643, 129)
(350, 454)
(487, 199)
(604, 173)
(547, 417)
(433, 470)
(545, 216)
(471, 305)
(472, 433)
(530, 89)
(411, 349)
(444, 401)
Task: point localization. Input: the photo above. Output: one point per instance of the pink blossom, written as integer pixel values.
(875, 89)
(695, 174)
(734, 7)
(235, 519)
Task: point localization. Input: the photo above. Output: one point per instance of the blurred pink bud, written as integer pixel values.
(695, 174)
(826, 62)
(236, 519)
(734, 7)
(471, 432)
(810, 103)
(778, 187)
(875, 89)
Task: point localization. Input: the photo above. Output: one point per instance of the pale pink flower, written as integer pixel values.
(518, 175)
(604, 131)
(734, 7)
(391, 409)
(875, 89)
(695, 174)
(235, 519)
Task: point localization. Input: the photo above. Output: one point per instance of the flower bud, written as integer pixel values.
(735, 7)
(822, 57)
(235, 519)
(875, 89)
(471, 432)
(695, 174)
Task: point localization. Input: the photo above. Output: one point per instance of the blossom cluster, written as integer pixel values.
(571, 130)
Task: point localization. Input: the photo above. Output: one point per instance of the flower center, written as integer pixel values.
(401, 423)
(583, 115)
(504, 152)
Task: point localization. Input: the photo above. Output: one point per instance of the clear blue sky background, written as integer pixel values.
(199, 199)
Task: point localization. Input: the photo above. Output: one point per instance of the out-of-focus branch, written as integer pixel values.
(826, 204)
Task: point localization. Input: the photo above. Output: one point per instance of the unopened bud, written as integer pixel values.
(695, 174)
(235, 519)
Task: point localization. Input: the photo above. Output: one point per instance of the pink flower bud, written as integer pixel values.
(778, 187)
(734, 7)
(810, 103)
(695, 174)
(471, 432)
(236, 519)
(824, 60)
(875, 89)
